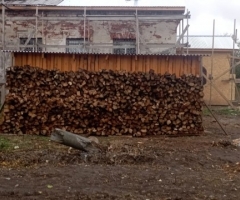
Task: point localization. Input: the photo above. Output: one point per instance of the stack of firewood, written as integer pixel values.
(102, 103)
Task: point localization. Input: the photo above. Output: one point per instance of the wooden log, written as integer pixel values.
(102, 103)
(73, 140)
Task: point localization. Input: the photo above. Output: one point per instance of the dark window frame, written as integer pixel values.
(31, 43)
(124, 46)
(78, 42)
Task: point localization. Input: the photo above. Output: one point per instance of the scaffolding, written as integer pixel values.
(88, 47)
(234, 61)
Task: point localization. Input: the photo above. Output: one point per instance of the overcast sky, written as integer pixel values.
(203, 12)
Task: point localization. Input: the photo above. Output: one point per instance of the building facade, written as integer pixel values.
(125, 30)
(216, 66)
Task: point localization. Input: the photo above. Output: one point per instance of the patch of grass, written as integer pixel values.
(228, 111)
(5, 144)
(23, 143)
(221, 111)
(205, 111)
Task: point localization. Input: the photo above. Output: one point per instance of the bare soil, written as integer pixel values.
(154, 168)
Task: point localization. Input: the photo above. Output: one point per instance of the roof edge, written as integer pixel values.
(80, 53)
(59, 7)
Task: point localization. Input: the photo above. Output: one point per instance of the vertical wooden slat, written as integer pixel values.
(89, 62)
(189, 65)
(58, 61)
(78, 56)
(101, 62)
(159, 64)
(180, 66)
(163, 65)
(49, 60)
(106, 62)
(198, 65)
(74, 62)
(24, 59)
(28, 59)
(124, 63)
(85, 62)
(96, 63)
(93, 62)
(44, 61)
(133, 63)
(140, 67)
(18, 59)
(170, 64)
(185, 65)
(147, 63)
(176, 65)
(192, 66)
(111, 62)
(41, 60)
(37, 61)
(33, 60)
(154, 63)
(81, 61)
(55, 61)
(64, 64)
(50, 65)
(118, 62)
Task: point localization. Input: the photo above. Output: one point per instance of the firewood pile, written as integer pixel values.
(102, 103)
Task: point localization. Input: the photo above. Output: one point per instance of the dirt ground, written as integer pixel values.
(156, 168)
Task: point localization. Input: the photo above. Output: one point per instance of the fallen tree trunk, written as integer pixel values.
(73, 140)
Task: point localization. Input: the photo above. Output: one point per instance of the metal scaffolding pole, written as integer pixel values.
(84, 31)
(43, 34)
(36, 30)
(179, 28)
(213, 37)
(3, 43)
(233, 60)
(137, 33)
(2, 68)
(187, 32)
(182, 30)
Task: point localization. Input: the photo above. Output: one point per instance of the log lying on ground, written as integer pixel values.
(73, 140)
(102, 103)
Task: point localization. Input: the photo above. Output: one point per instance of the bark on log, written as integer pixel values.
(73, 140)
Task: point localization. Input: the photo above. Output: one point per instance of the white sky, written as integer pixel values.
(203, 12)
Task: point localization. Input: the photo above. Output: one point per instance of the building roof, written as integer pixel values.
(205, 42)
(33, 2)
(154, 54)
(124, 3)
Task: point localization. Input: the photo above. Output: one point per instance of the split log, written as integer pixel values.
(73, 140)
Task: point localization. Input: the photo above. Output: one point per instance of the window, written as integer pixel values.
(72, 42)
(30, 44)
(124, 46)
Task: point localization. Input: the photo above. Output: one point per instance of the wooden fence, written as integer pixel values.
(177, 64)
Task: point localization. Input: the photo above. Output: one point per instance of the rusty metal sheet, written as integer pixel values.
(33, 2)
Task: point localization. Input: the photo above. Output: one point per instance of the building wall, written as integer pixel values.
(155, 36)
(220, 64)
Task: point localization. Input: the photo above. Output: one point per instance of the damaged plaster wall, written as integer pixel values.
(155, 36)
